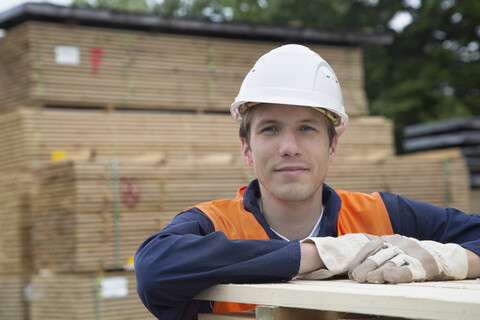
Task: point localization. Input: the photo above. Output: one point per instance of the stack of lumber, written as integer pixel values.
(15, 227)
(463, 133)
(68, 64)
(13, 304)
(80, 296)
(31, 135)
(15, 250)
(91, 216)
(437, 177)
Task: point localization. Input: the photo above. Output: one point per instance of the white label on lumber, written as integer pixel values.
(67, 55)
(114, 287)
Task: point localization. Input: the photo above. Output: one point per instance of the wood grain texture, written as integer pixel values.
(429, 300)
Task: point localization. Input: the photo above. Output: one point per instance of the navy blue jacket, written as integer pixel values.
(188, 256)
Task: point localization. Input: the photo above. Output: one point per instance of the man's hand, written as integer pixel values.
(325, 257)
(397, 259)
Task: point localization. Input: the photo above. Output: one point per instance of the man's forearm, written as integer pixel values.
(473, 264)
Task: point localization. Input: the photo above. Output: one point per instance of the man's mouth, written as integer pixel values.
(291, 170)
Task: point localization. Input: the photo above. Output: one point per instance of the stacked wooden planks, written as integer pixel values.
(91, 216)
(81, 296)
(15, 227)
(15, 249)
(68, 64)
(440, 178)
(15, 67)
(13, 300)
(31, 135)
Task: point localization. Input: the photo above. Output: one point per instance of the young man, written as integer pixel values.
(287, 223)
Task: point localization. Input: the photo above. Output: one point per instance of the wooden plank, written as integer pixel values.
(282, 313)
(430, 300)
(241, 315)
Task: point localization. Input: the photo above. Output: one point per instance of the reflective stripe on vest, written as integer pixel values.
(359, 212)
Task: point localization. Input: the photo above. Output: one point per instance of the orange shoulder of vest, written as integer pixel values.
(362, 213)
(230, 217)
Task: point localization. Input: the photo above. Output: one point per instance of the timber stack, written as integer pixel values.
(111, 123)
(460, 133)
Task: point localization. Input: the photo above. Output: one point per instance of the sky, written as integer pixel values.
(401, 20)
(8, 4)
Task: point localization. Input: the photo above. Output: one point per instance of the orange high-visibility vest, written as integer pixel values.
(359, 213)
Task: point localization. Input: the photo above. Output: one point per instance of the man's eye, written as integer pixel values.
(306, 128)
(269, 129)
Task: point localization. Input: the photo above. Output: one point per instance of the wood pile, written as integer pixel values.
(92, 216)
(81, 296)
(15, 245)
(31, 135)
(72, 65)
(440, 178)
(15, 250)
(462, 133)
(13, 300)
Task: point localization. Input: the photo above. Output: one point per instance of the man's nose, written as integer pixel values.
(289, 144)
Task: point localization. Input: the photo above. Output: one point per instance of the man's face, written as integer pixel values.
(289, 151)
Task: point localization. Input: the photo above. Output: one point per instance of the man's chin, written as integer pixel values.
(293, 194)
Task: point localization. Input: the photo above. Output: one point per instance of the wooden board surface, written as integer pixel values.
(429, 300)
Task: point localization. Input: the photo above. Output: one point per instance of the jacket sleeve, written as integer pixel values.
(188, 256)
(427, 222)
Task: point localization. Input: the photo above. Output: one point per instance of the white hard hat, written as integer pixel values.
(295, 75)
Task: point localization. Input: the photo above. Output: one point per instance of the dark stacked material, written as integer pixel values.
(462, 133)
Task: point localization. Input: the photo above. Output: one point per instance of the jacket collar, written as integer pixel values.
(331, 201)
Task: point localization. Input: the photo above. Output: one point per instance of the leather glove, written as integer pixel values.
(399, 259)
(336, 253)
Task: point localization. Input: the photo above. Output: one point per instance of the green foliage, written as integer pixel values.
(430, 72)
(120, 5)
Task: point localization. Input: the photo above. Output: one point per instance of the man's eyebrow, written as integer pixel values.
(310, 120)
(268, 121)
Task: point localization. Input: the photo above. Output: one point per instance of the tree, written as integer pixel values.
(432, 70)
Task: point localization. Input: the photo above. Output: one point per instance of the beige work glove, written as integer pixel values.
(336, 253)
(399, 259)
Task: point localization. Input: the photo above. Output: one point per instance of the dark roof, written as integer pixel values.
(140, 21)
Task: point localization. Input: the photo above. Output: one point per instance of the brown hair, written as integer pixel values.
(244, 130)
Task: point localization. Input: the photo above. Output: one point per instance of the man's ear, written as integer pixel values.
(332, 151)
(246, 152)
